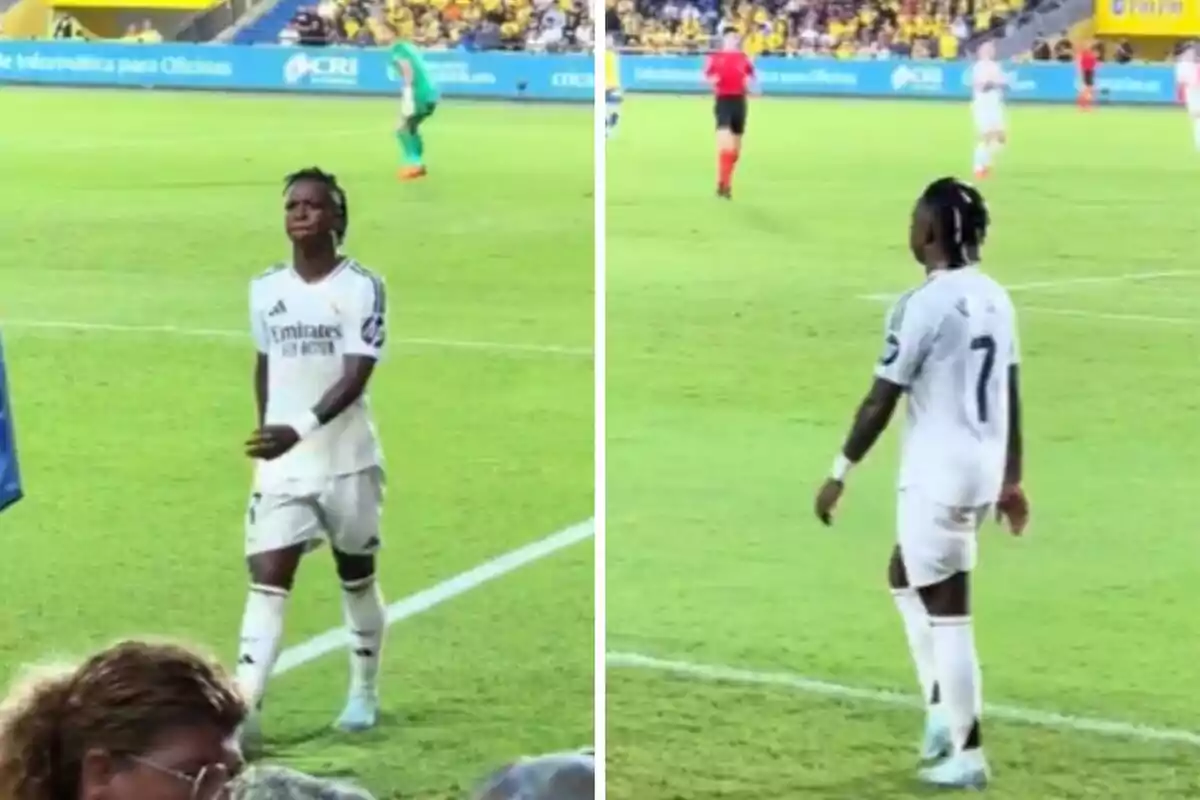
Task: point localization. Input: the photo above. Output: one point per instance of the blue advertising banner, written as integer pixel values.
(1048, 83)
(509, 76)
(10, 472)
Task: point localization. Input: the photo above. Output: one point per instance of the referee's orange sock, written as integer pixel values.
(725, 163)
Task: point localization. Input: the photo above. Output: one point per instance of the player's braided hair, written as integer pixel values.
(120, 700)
(962, 218)
(336, 193)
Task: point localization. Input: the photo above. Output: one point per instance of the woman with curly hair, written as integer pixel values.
(137, 721)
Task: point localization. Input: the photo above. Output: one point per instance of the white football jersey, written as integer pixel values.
(305, 329)
(1187, 77)
(983, 73)
(1187, 74)
(950, 343)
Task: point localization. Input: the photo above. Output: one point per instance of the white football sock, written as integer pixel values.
(1196, 132)
(958, 675)
(983, 156)
(262, 637)
(920, 639)
(362, 602)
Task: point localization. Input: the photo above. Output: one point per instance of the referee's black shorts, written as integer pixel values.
(731, 114)
(1089, 78)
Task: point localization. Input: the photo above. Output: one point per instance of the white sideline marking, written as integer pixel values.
(274, 136)
(1081, 281)
(426, 599)
(223, 333)
(787, 680)
(1074, 312)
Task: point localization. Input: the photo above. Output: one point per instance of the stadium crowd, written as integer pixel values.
(833, 28)
(843, 29)
(536, 25)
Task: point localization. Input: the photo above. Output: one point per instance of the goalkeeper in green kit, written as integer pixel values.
(417, 103)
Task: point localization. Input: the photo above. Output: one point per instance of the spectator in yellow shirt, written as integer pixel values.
(947, 45)
(754, 44)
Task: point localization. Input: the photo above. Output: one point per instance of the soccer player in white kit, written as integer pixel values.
(988, 82)
(319, 325)
(1187, 81)
(951, 346)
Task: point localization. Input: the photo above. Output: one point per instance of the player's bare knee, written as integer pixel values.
(948, 598)
(276, 568)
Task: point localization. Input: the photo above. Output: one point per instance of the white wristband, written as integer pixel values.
(841, 468)
(304, 424)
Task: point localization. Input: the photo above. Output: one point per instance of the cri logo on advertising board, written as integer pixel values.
(321, 69)
(919, 79)
(573, 80)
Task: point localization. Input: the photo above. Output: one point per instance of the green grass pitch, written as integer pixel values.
(133, 223)
(741, 339)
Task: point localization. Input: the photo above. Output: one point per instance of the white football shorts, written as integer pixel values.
(346, 511)
(1193, 102)
(989, 115)
(936, 541)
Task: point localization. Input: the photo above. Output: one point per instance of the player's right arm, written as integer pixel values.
(403, 64)
(406, 71)
(261, 362)
(907, 342)
(261, 372)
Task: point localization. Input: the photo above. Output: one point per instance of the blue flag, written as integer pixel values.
(10, 473)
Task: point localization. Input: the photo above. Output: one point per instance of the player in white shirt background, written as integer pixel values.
(951, 347)
(1187, 82)
(319, 325)
(988, 82)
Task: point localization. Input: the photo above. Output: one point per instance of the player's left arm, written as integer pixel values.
(992, 80)
(1014, 461)
(1012, 502)
(751, 77)
(366, 331)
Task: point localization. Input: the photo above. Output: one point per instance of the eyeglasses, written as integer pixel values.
(210, 783)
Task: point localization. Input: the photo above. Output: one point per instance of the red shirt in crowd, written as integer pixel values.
(1087, 60)
(730, 72)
